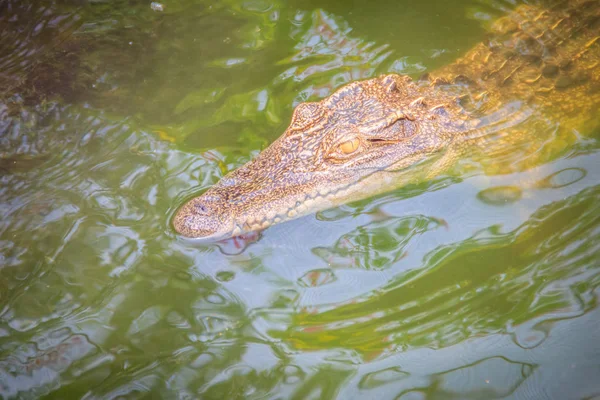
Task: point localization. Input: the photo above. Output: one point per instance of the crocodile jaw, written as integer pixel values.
(216, 225)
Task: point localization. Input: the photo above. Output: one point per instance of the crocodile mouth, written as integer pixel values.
(210, 218)
(194, 220)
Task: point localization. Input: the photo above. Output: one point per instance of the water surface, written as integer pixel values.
(476, 284)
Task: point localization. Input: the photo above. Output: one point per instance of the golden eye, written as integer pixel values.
(349, 146)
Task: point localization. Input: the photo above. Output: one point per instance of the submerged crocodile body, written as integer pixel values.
(538, 66)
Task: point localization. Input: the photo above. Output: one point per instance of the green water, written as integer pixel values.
(472, 286)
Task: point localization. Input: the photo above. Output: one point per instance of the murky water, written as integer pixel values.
(472, 285)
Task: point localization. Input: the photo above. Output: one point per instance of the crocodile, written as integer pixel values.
(537, 66)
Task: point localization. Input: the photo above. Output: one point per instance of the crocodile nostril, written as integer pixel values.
(201, 208)
(199, 217)
(206, 205)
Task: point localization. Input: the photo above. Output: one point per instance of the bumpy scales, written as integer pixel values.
(536, 65)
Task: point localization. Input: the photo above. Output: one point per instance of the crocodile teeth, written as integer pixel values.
(309, 203)
(271, 215)
(324, 191)
(301, 209)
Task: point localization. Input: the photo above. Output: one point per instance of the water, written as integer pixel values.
(471, 285)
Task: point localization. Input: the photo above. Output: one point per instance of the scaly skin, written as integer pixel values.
(538, 67)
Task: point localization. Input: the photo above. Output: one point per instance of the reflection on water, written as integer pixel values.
(442, 305)
(377, 244)
(466, 286)
(328, 46)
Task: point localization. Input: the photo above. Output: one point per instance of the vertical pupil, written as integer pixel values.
(349, 146)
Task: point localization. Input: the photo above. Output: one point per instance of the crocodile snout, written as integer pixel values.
(201, 217)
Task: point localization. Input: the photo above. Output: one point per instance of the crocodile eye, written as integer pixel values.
(350, 146)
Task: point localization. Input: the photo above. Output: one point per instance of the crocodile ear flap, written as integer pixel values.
(306, 115)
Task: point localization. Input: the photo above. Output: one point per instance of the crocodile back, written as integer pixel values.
(548, 57)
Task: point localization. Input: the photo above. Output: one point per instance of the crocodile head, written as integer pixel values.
(343, 148)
